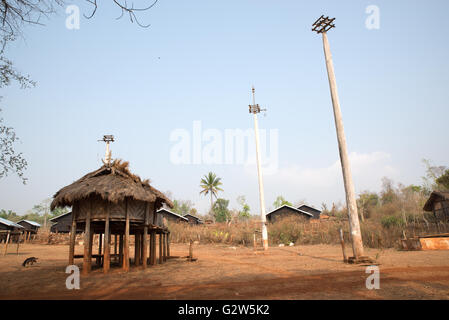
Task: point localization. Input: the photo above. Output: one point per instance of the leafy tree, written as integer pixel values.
(365, 202)
(443, 181)
(388, 193)
(9, 215)
(280, 201)
(210, 185)
(220, 209)
(244, 213)
(430, 182)
(182, 207)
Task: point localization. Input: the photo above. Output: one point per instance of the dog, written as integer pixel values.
(29, 261)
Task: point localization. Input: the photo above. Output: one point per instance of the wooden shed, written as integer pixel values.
(287, 210)
(30, 228)
(113, 201)
(438, 203)
(10, 231)
(63, 224)
(192, 219)
(315, 212)
(167, 215)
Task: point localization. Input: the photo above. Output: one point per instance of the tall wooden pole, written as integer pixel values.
(255, 109)
(87, 242)
(107, 242)
(356, 236)
(72, 239)
(126, 240)
(145, 237)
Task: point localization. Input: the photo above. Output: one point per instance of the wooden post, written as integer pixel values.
(107, 243)
(191, 250)
(100, 247)
(160, 248)
(72, 239)
(342, 241)
(145, 237)
(168, 244)
(120, 253)
(126, 244)
(164, 247)
(137, 249)
(254, 241)
(354, 225)
(152, 248)
(115, 244)
(6, 243)
(87, 242)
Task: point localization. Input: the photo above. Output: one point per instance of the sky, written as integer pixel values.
(152, 88)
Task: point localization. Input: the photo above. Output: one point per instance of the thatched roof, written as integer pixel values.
(435, 196)
(113, 183)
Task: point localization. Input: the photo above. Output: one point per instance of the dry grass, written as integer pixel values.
(300, 232)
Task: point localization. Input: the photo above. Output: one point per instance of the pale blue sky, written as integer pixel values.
(198, 61)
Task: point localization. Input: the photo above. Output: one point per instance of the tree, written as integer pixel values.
(443, 181)
(220, 209)
(244, 213)
(14, 14)
(280, 201)
(210, 185)
(366, 201)
(430, 182)
(388, 193)
(182, 207)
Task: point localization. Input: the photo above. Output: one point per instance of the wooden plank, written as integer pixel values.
(100, 245)
(145, 237)
(86, 261)
(164, 247)
(168, 244)
(126, 240)
(107, 242)
(342, 241)
(160, 249)
(72, 238)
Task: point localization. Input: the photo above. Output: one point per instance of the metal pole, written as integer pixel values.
(357, 245)
(259, 173)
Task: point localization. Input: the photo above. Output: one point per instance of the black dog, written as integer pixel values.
(29, 261)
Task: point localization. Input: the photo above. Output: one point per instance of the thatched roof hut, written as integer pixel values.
(112, 200)
(111, 183)
(438, 203)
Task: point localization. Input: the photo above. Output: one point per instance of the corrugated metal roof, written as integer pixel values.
(10, 223)
(33, 223)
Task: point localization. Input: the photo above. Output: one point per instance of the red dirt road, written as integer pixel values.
(222, 272)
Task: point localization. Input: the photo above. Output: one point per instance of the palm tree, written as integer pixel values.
(210, 184)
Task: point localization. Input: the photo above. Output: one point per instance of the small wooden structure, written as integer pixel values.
(315, 212)
(167, 215)
(113, 202)
(10, 232)
(192, 219)
(31, 228)
(438, 203)
(287, 210)
(63, 224)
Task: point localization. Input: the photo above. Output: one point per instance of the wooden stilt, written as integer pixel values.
(145, 247)
(18, 243)
(120, 252)
(168, 244)
(137, 249)
(72, 239)
(107, 243)
(164, 247)
(115, 245)
(100, 245)
(126, 242)
(87, 241)
(152, 247)
(161, 258)
(91, 243)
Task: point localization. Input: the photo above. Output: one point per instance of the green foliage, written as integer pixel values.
(391, 221)
(244, 213)
(280, 201)
(221, 211)
(210, 184)
(182, 207)
(443, 180)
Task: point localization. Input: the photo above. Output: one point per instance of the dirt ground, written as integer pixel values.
(223, 272)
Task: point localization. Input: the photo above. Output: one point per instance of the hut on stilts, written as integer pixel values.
(115, 204)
